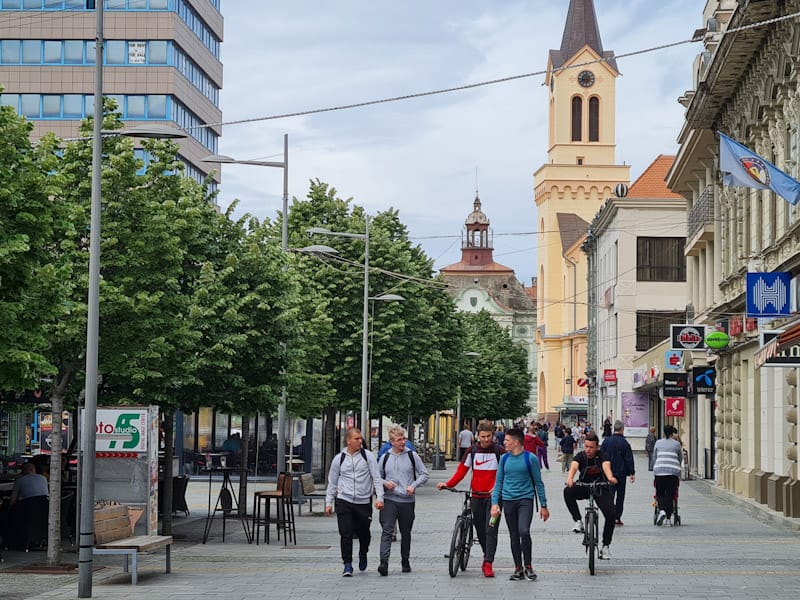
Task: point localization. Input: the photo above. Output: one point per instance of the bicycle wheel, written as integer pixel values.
(466, 544)
(456, 545)
(591, 538)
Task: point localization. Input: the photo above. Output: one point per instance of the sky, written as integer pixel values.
(424, 156)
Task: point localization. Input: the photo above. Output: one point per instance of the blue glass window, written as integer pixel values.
(52, 52)
(73, 52)
(31, 52)
(31, 3)
(136, 107)
(73, 106)
(29, 105)
(54, 4)
(51, 106)
(10, 4)
(11, 100)
(157, 107)
(115, 52)
(76, 4)
(10, 52)
(158, 53)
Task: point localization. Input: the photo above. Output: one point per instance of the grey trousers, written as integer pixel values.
(403, 514)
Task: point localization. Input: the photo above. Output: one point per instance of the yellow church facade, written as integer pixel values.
(580, 174)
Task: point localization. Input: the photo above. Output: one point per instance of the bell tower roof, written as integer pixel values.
(477, 216)
(580, 30)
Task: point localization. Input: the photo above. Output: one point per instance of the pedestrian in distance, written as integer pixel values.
(607, 426)
(588, 466)
(518, 479)
(402, 471)
(649, 444)
(352, 479)
(619, 451)
(667, 455)
(568, 446)
(483, 459)
(465, 440)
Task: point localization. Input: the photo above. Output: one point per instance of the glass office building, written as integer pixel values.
(162, 65)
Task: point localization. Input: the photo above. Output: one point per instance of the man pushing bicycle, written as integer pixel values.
(483, 459)
(590, 465)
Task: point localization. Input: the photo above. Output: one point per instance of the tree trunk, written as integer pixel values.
(331, 442)
(169, 452)
(243, 474)
(54, 512)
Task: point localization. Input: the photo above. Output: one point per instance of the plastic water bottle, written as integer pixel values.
(494, 520)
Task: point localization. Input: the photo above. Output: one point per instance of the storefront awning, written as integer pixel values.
(767, 351)
(789, 338)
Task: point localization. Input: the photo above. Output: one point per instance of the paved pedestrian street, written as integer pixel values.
(719, 551)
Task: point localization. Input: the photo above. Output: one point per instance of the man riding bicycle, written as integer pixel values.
(483, 459)
(590, 465)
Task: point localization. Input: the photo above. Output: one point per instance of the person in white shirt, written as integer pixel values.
(465, 441)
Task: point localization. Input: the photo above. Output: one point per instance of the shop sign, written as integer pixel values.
(674, 407)
(676, 384)
(687, 337)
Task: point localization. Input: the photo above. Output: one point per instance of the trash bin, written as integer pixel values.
(437, 463)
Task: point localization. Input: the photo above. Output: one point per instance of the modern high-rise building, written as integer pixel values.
(161, 64)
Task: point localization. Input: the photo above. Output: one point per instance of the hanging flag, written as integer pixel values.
(745, 168)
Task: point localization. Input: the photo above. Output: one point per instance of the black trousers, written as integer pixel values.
(619, 497)
(487, 536)
(666, 486)
(604, 503)
(354, 521)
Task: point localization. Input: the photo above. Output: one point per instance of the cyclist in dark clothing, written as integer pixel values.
(590, 465)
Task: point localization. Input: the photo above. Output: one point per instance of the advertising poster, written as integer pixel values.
(635, 413)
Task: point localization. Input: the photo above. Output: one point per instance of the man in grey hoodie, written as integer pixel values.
(403, 472)
(352, 479)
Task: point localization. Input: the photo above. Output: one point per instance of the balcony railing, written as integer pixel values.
(701, 214)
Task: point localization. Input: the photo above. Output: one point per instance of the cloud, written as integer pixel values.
(420, 155)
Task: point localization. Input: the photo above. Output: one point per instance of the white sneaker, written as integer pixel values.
(605, 553)
(578, 528)
(662, 516)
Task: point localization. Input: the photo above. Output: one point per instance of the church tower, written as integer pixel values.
(569, 189)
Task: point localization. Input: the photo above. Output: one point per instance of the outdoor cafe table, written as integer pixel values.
(232, 511)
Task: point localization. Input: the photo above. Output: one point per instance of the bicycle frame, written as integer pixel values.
(591, 529)
(462, 538)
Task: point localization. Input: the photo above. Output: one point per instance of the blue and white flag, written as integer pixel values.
(745, 168)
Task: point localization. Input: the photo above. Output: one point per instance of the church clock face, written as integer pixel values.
(586, 79)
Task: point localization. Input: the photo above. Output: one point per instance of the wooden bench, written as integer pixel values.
(308, 491)
(113, 531)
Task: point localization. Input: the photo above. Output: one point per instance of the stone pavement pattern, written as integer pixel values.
(718, 552)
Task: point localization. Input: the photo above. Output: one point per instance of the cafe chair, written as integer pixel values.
(284, 511)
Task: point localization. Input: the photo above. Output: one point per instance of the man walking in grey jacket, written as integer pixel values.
(403, 472)
(352, 479)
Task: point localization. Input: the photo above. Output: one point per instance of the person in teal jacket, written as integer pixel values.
(518, 478)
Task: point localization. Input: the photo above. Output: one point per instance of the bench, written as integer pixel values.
(308, 491)
(113, 530)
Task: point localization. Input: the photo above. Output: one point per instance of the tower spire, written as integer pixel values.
(581, 29)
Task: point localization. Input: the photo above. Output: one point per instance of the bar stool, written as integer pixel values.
(265, 498)
(285, 516)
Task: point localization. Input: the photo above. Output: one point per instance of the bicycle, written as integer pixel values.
(462, 539)
(591, 528)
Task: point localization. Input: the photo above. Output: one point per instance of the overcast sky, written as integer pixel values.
(420, 155)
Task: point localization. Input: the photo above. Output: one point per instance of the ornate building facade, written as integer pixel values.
(478, 283)
(746, 85)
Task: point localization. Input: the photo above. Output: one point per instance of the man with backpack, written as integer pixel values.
(353, 478)
(519, 480)
(402, 471)
(483, 459)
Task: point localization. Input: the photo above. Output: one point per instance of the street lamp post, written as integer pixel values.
(86, 532)
(365, 312)
(221, 158)
(382, 298)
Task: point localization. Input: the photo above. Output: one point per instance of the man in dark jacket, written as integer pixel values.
(617, 448)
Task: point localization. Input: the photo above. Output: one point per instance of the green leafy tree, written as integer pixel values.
(496, 383)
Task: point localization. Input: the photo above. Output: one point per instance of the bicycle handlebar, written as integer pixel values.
(457, 491)
(593, 485)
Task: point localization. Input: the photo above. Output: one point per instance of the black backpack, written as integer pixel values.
(411, 458)
(343, 454)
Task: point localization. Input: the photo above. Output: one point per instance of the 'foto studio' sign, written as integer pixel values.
(121, 430)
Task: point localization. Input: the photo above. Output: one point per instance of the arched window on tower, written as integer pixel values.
(594, 119)
(577, 118)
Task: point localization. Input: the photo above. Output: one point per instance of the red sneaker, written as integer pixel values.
(487, 569)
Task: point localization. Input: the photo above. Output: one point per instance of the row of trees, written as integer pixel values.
(201, 309)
